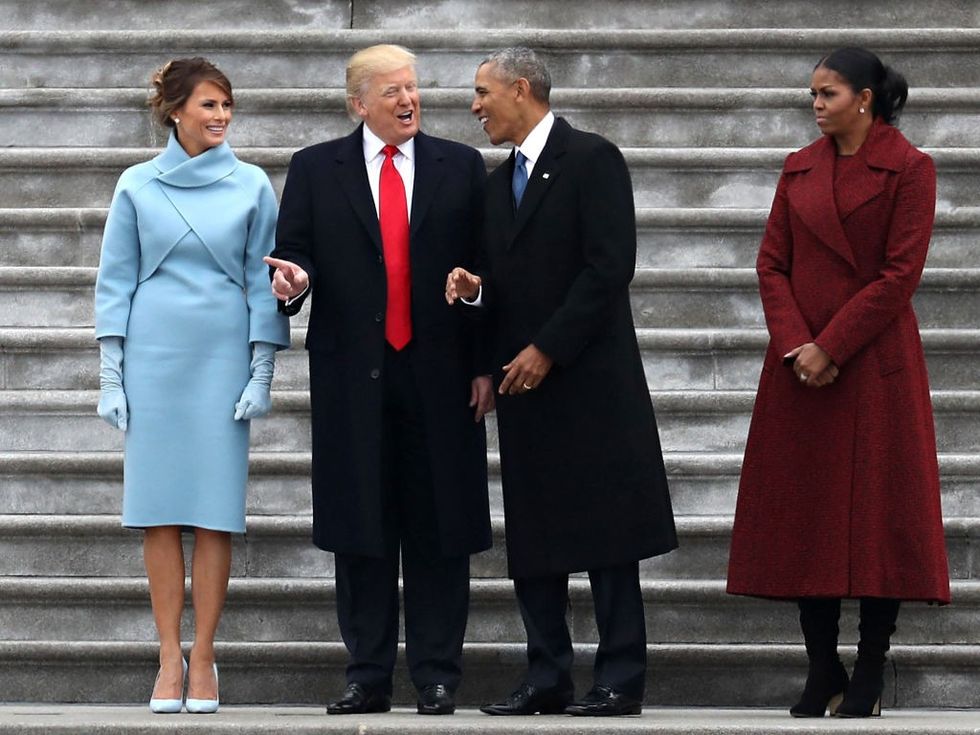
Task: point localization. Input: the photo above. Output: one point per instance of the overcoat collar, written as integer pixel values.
(352, 174)
(179, 169)
(546, 170)
(812, 194)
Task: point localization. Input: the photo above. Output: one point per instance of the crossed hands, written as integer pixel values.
(812, 365)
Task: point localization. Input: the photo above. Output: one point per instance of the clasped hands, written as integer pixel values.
(813, 366)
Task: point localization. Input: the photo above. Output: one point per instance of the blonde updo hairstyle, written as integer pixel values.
(174, 82)
(381, 59)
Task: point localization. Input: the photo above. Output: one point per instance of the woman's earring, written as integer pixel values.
(177, 119)
(861, 110)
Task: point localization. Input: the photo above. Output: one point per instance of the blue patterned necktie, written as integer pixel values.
(519, 182)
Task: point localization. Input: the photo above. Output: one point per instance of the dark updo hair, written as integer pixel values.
(174, 82)
(863, 70)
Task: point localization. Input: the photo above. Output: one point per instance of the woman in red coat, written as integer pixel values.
(839, 494)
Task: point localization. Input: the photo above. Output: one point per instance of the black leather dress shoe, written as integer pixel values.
(529, 700)
(601, 701)
(359, 701)
(436, 699)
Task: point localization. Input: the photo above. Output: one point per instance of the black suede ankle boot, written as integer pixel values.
(863, 698)
(826, 679)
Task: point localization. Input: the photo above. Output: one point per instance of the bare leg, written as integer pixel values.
(163, 557)
(209, 584)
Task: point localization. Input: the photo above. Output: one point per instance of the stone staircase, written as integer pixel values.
(705, 98)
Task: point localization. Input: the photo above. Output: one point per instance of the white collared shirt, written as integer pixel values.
(535, 141)
(404, 162)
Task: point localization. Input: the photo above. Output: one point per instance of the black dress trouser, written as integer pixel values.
(620, 661)
(436, 588)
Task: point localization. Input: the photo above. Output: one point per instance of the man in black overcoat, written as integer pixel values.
(583, 475)
(397, 390)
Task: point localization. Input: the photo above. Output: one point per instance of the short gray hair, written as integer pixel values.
(519, 61)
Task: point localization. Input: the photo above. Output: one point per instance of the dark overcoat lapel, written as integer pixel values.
(352, 175)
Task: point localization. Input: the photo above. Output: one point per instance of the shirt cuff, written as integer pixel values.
(478, 301)
(290, 302)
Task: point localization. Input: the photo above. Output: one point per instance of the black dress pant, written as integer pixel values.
(436, 588)
(621, 659)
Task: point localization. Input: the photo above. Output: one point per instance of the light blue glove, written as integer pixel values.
(256, 399)
(112, 398)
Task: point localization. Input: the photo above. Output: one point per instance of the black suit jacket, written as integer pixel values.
(328, 224)
(583, 476)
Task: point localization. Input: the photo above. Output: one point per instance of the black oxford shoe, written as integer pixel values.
(436, 699)
(529, 700)
(602, 701)
(359, 701)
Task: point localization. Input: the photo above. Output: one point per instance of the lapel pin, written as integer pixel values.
(545, 176)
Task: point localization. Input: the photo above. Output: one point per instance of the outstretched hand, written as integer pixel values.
(460, 283)
(289, 280)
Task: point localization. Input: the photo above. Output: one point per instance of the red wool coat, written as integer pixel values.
(839, 494)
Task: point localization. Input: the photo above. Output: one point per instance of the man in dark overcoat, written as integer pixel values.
(583, 475)
(369, 225)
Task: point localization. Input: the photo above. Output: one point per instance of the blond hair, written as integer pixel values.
(381, 59)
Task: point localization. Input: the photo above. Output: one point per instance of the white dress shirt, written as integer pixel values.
(404, 162)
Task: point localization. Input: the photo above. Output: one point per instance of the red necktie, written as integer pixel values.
(394, 237)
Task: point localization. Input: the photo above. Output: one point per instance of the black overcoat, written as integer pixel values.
(328, 225)
(583, 474)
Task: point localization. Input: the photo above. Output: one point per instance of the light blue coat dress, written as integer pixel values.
(181, 280)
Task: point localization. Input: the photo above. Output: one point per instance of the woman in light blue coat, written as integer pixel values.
(188, 331)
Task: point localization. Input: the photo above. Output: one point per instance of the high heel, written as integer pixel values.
(169, 706)
(204, 706)
(824, 691)
(863, 698)
(826, 679)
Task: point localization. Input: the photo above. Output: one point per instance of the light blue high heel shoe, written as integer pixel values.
(204, 706)
(169, 706)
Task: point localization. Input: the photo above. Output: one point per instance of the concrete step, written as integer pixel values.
(279, 546)
(729, 298)
(265, 720)
(279, 609)
(303, 672)
(259, 720)
(667, 237)
(662, 177)
(689, 421)
(769, 57)
(82, 483)
(663, 298)
(674, 359)
(57, 15)
(450, 14)
(665, 117)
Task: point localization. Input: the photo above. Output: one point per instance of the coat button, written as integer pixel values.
(381, 259)
(379, 317)
(375, 374)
